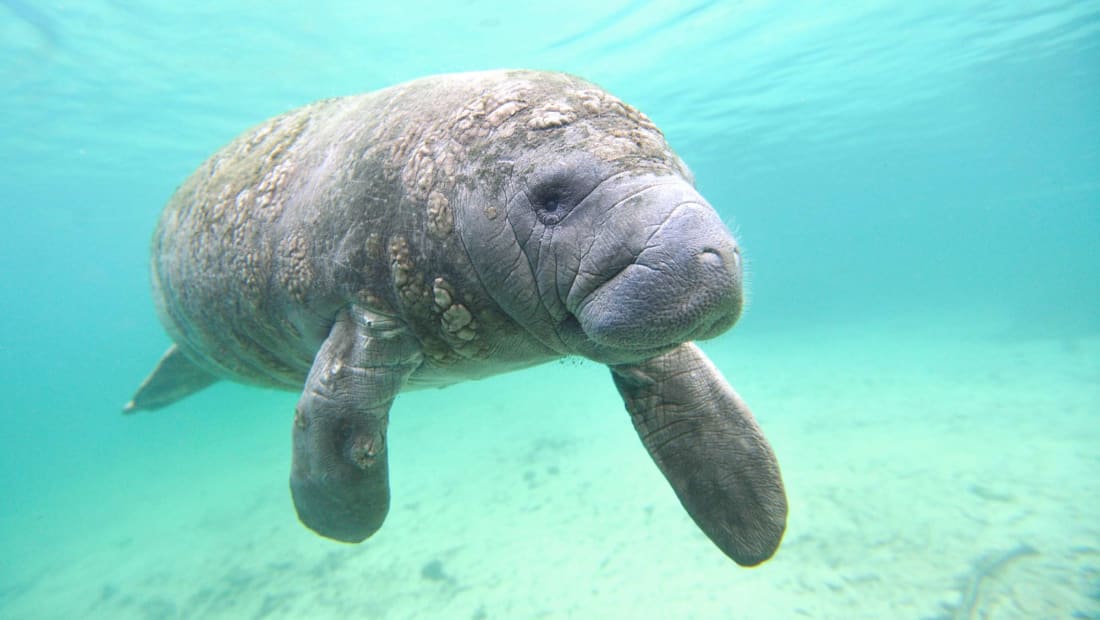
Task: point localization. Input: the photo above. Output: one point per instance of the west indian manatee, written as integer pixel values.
(452, 228)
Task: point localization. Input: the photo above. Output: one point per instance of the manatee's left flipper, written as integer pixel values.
(175, 377)
(339, 477)
(704, 439)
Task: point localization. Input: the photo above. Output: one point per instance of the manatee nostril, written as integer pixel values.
(710, 257)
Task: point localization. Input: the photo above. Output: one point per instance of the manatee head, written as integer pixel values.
(587, 229)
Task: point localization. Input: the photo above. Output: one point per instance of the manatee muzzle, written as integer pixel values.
(685, 284)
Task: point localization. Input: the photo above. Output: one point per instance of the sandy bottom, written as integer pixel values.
(932, 473)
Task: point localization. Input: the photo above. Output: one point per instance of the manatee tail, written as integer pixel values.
(175, 377)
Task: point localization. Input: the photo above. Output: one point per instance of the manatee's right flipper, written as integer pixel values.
(339, 476)
(175, 377)
(704, 439)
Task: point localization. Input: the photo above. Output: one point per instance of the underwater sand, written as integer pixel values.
(934, 470)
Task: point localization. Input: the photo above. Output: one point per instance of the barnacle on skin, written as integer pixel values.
(295, 274)
(440, 218)
(590, 100)
(503, 112)
(456, 317)
(556, 114)
(441, 294)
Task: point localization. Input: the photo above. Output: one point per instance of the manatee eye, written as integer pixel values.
(553, 192)
(552, 202)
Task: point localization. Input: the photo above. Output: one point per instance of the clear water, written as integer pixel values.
(916, 185)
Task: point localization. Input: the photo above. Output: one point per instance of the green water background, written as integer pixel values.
(920, 165)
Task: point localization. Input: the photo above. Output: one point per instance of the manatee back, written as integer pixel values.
(242, 268)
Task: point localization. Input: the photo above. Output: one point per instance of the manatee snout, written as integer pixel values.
(683, 282)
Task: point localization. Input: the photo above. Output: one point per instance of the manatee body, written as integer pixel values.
(447, 229)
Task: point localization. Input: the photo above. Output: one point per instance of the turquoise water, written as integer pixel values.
(916, 187)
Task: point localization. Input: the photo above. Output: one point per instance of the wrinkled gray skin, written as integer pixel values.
(452, 228)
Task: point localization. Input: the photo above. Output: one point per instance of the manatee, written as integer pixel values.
(448, 229)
